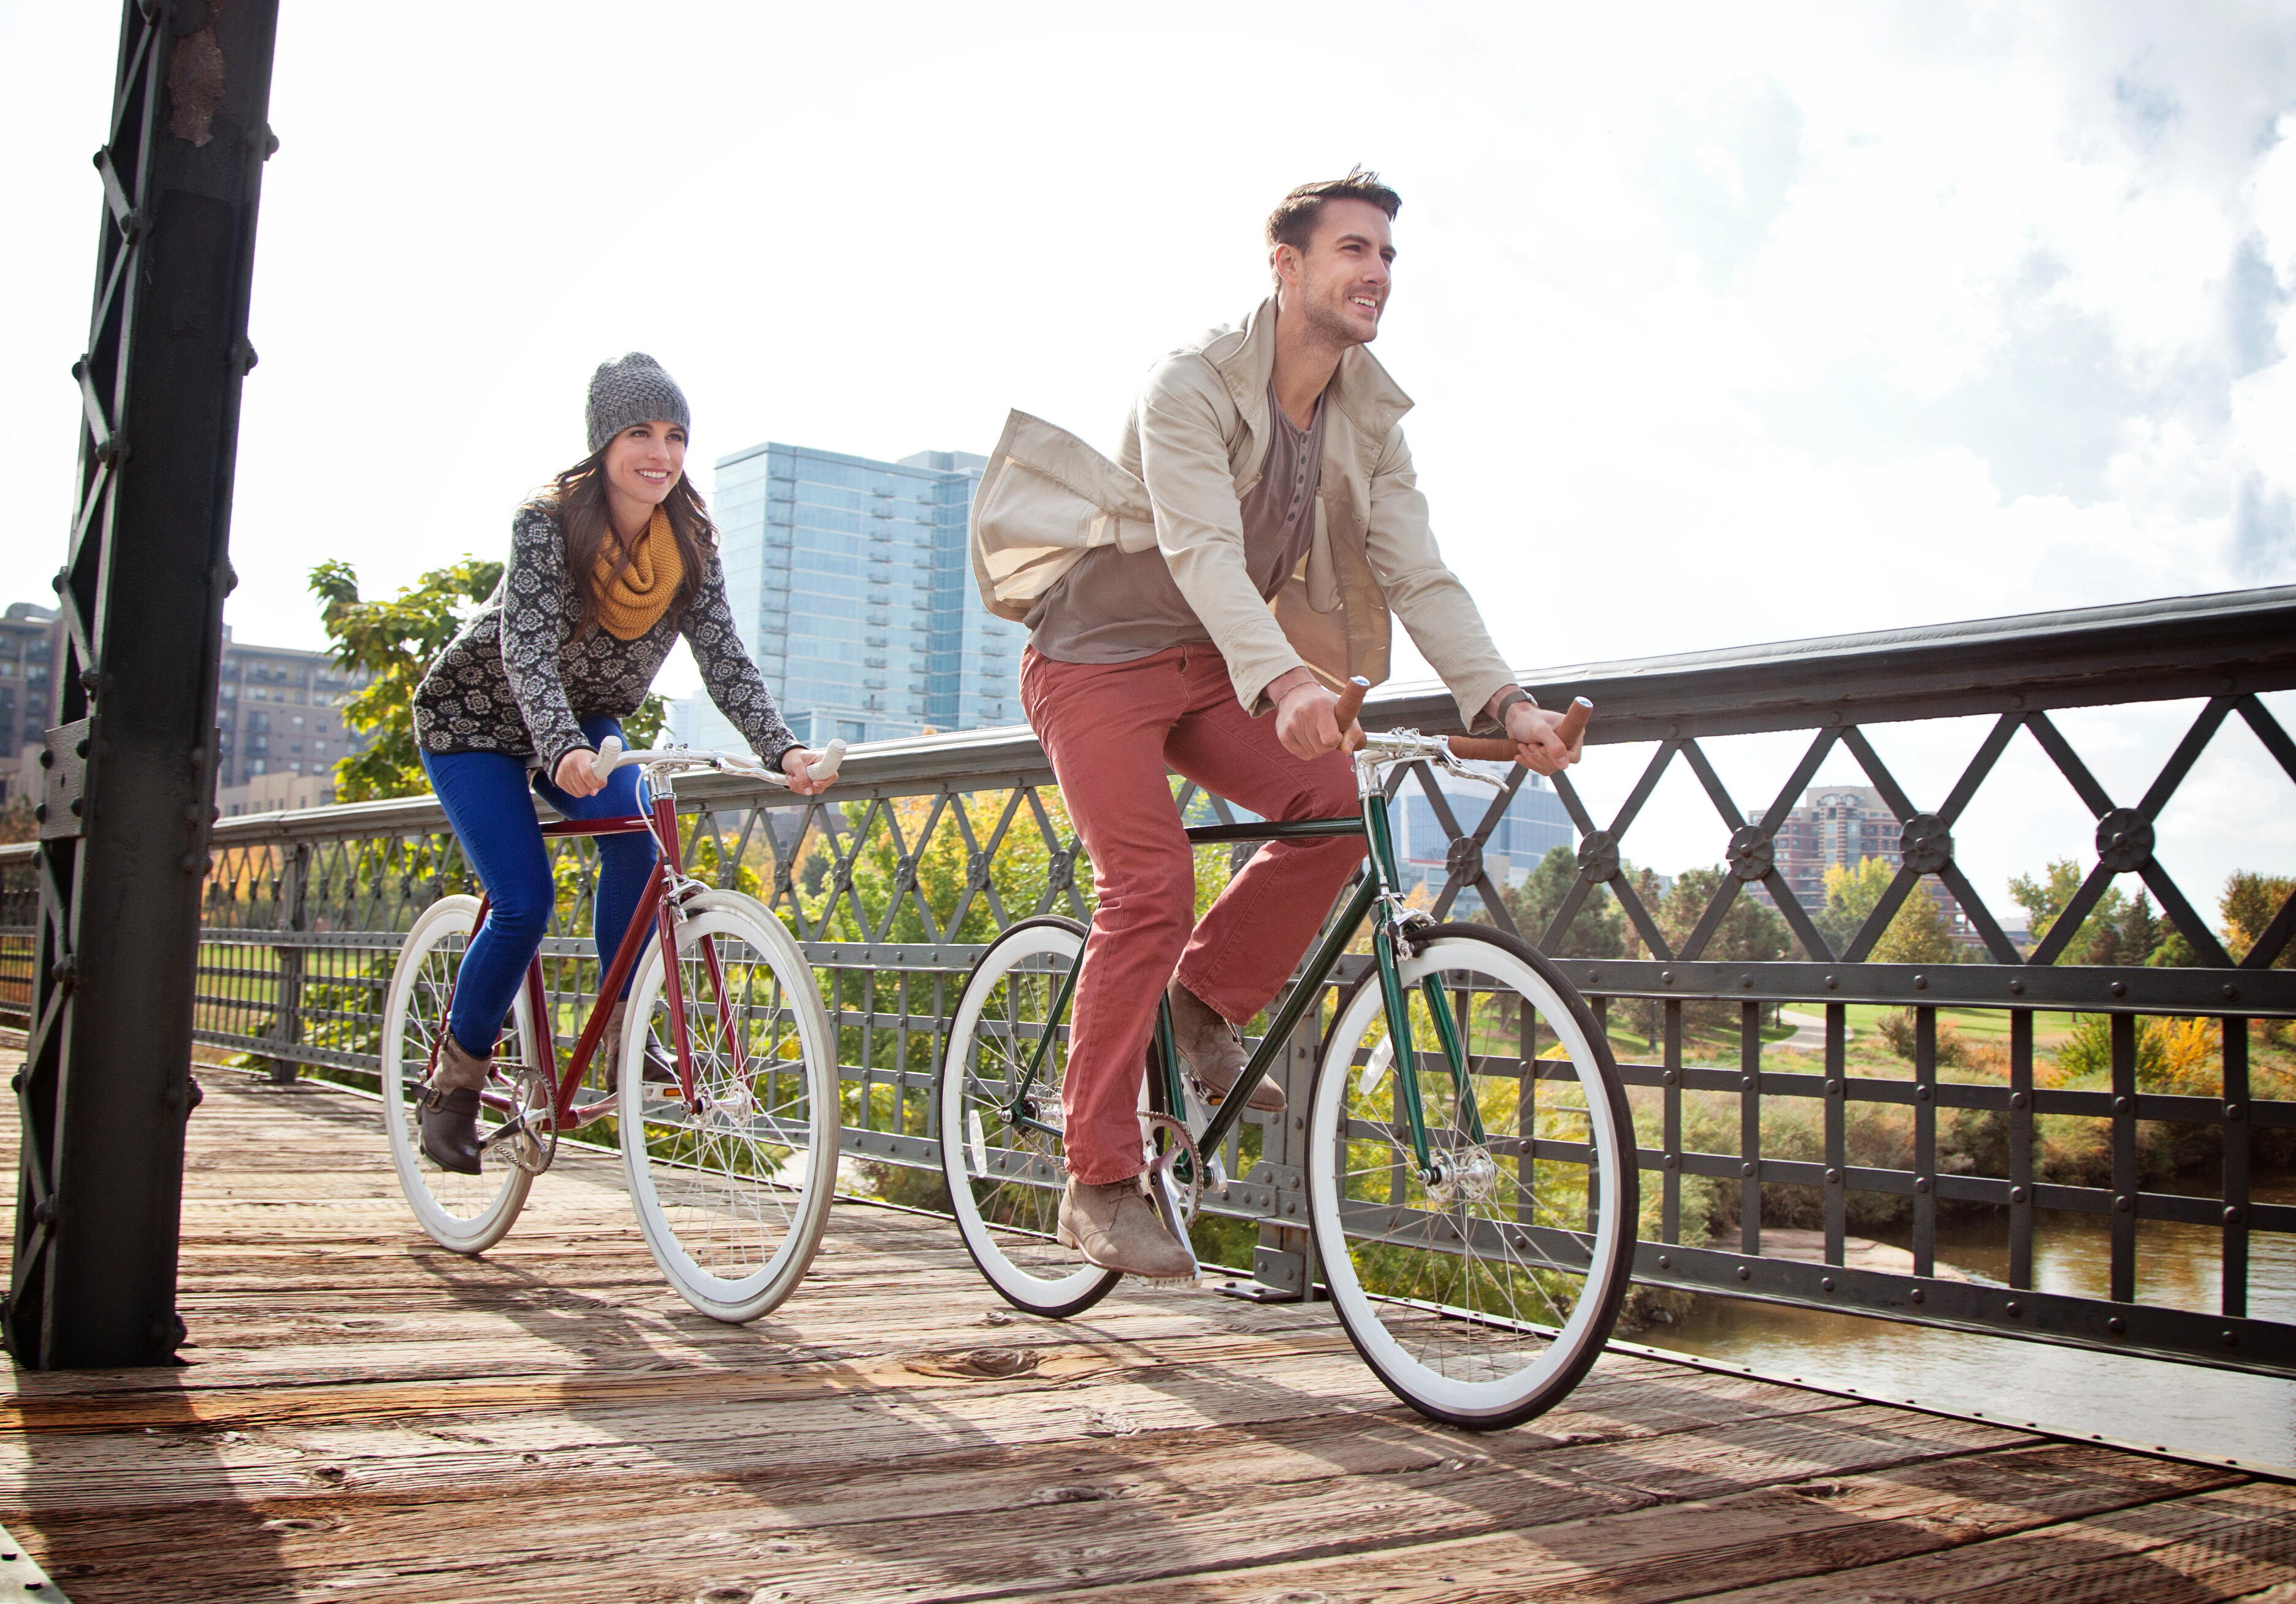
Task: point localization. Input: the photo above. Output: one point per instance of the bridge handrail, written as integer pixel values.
(303, 905)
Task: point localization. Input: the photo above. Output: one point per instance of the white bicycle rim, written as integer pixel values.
(1448, 1396)
(468, 1214)
(967, 1158)
(732, 1202)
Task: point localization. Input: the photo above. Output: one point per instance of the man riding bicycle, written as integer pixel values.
(1241, 555)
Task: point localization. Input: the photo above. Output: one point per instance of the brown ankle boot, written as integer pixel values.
(449, 1112)
(656, 1073)
(1213, 1051)
(1116, 1227)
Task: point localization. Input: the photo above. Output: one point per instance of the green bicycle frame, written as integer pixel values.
(1375, 887)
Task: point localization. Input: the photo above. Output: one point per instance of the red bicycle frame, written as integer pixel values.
(660, 821)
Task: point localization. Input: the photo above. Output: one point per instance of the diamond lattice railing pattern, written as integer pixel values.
(928, 848)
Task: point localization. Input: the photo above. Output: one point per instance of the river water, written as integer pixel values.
(2175, 1407)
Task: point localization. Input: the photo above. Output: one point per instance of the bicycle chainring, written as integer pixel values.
(1192, 1193)
(535, 1144)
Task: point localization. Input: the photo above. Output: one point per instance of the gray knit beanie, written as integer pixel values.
(633, 390)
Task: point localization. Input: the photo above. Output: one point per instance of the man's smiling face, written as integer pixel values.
(1339, 283)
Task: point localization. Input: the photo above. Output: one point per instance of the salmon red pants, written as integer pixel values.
(1112, 730)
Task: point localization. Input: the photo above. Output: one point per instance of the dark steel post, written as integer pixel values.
(1750, 1127)
(2020, 1149)
(106, 1085)
(2234, 1286)
(1285, 1257)
(1669, 1229)
(1837, 1132)
(1925, 1167)
(294, 917)
(2124, 1158)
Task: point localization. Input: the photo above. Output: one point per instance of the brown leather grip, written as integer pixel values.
(1498, 749)
(1483, 749)
(1352, 698)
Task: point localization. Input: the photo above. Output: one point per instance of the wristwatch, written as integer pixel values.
(1508, 698)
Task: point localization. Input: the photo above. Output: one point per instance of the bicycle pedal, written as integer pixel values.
(1177, 1280)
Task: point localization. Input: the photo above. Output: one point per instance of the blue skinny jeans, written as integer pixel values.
(485, 796)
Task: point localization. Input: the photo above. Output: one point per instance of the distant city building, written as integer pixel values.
(1835, 825)
(1843, 825)
(278, 710)
(280, 792)
(31, 647)
(852, 589)
(1534, 824)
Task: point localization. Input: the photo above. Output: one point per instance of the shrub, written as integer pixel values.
(1897, 1029)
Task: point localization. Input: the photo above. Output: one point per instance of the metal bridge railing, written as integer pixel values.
(928, 847)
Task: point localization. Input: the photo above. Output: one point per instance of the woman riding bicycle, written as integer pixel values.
(609, 564)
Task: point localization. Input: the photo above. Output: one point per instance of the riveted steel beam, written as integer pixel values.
(107, 1087)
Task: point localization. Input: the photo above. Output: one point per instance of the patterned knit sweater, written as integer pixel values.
(515, 680)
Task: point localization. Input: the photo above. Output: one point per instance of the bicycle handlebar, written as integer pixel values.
(611, 755)
(1498, 749)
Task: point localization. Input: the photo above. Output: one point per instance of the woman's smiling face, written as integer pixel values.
(644, 461)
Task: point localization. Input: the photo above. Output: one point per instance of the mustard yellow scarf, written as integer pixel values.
(630, 603)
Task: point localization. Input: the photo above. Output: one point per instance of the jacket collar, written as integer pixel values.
(1245, 360)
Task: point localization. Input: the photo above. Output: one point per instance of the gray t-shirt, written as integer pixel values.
(1116, 606)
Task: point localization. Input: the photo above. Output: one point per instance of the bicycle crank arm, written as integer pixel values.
(1164, 1197)
(511, 1127)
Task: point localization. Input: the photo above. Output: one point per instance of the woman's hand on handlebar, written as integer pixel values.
(574, 775)
(793, 764)
(1537, 746)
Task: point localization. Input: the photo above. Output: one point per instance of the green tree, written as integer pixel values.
(17, 823)
(1750, 933)
(394, 641)
(2045, 899)
(2129, 937)
(644, 727)
(1598, 929)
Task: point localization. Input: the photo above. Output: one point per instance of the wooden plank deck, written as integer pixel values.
(367, 1417)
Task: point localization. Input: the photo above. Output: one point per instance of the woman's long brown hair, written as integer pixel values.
(578, 497)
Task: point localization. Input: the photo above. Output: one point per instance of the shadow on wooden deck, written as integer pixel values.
(366, 1417)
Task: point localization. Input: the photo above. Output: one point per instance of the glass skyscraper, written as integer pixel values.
(1535, 823)
(852, 588)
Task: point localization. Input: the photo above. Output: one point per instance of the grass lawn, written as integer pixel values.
(1978, 1025)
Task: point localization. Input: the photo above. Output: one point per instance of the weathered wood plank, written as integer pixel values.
(2210, 1547)
(1129, 1511)
(366, 1417)
(1653, 1556)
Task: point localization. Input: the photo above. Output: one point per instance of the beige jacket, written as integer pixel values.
(1193, 447)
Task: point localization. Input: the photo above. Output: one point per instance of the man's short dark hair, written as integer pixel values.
(1293, 221)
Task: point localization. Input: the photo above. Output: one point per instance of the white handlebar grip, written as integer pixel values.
(609, 752)
(824, 766)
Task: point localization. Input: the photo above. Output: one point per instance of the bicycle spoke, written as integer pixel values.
(1468, 1281)
(732, 1187)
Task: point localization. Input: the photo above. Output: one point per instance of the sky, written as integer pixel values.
(1724, 324)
